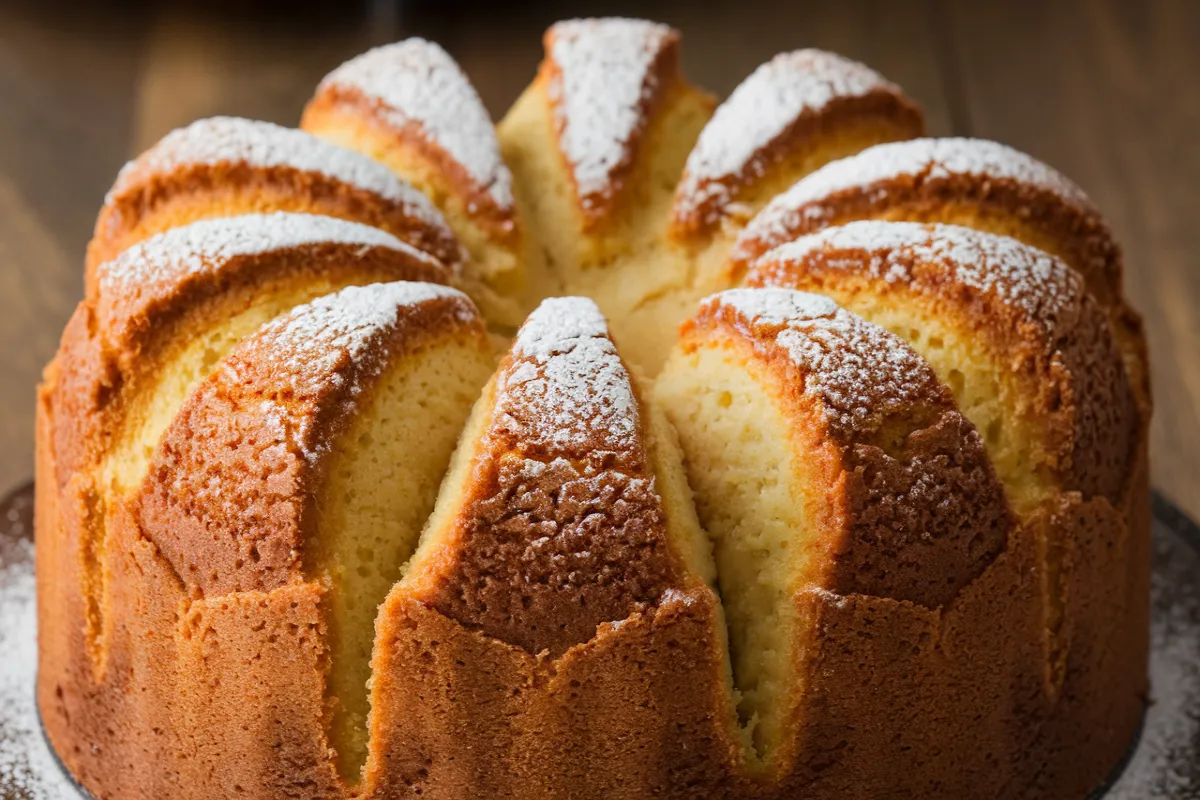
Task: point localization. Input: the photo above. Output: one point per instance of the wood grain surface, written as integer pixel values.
(1102, 89)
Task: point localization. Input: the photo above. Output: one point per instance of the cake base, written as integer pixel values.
(1163, 761)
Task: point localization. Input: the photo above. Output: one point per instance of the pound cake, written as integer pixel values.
(635, 446)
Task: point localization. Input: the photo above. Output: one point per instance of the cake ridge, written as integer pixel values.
(863, 372)
(770, 100)
(199, 246)
(1014, 328)
(603, 81)
(282, 396)
(1039, 284)
(925, 159)
(570, 384)
(416, 82)
(217, 140)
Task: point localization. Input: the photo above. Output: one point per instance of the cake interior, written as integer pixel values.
(378, 492)
(752, 496)
(622, 261)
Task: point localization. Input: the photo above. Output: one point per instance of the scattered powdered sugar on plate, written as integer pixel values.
(759, 111)
(28, 770)
(1020, 275)
(567, 388)
(418, 83)
(232, 140)
(205, 245)
(600, 92)
(860, 370)
(927, 160)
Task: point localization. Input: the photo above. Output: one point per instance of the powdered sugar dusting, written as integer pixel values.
(566, 388)
(319, 343)
(1019, 275)
(319, 333)
(760, 110)
(27, 767)
(926, 160)
(204, 246)
(231, 140)
(418, 83)
(600, 92)
(861, 371)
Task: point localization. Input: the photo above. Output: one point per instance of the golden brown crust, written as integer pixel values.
(606, 81)
(1031, 311)
(944, 180)
(789, 103)
(228, 498)
(649, 692)
(561, 528)
(224, 167)
(915, 511)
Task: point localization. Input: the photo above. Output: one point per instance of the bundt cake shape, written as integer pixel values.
(875, 526)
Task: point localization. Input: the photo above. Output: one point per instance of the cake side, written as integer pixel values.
(882, 488)
(313, 455)
(551, 520)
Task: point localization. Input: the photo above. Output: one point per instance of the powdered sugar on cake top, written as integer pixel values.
(319, 332)
(168, 257)
(332, 337)
(861, 371)
(231, 140)
(759, 111)
(566, 388)
(926, 160)
(1019, 275)
(603, 84)
(418, 83)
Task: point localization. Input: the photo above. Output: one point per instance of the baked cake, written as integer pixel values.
(636, 446)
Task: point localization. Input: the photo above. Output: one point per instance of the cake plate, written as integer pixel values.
(1163, 764)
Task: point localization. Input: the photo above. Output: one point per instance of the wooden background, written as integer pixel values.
(1106, 91)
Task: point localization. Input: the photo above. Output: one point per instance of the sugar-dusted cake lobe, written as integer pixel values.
(418, 90)
(226, 166)
(604, 78)
(973, 182)
(314, 453)
(1010, 328)
(278, 403)
(410, 106)
(824, 455)
(795, 113)
(552, 521)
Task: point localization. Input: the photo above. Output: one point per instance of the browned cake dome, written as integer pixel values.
(638, 446)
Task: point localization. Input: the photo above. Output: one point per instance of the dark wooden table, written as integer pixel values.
(1104, 90)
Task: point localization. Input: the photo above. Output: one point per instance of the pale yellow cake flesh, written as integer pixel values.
(379, 489)
(625, 263)
(748, 477)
